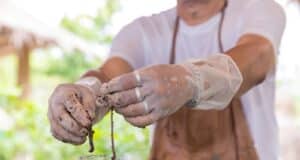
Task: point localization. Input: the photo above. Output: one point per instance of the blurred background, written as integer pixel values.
(47, 42)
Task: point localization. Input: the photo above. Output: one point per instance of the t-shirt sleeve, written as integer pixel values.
(265, 18)
(128, 45)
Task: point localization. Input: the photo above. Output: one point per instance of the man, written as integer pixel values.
(219, 105)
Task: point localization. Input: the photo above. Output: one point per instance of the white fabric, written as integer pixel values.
(147, 41)
(216, 79)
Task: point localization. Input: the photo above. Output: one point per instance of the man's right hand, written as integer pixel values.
(72, 109)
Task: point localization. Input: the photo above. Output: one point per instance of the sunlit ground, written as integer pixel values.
(24, 129)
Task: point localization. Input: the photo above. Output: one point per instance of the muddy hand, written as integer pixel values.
(72, 110)
(149, 94)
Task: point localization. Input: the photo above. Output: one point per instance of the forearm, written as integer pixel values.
(220, 78)
(112, 68)
(255, 57)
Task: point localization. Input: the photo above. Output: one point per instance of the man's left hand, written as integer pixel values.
(149, 94)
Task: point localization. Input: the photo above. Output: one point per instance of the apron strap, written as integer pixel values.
(174, 41)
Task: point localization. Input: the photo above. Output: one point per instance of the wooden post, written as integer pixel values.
(24, 70)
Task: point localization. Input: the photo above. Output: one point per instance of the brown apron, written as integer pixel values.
(203, 135)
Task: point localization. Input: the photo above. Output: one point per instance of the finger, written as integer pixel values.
(102, 101)
(132, 96)
(124, 82)
(57, 136)
(91, 110)
(135, 110)
(76, 109)
(102, 108)
(142, 121)
(63, 135)
(88, 101)
(62, 117)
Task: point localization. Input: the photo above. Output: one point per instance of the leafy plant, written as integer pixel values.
(70, 65)
(95, 31)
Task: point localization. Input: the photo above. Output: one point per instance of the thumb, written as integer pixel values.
(102, 107)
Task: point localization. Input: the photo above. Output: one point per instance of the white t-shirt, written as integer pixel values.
(147, 41)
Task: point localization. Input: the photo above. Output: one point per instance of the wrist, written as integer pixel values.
(191, 86)
(92, 83)
(216, 80)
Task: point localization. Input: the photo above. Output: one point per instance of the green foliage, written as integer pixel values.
(91, 28)
(70, 65)
(8, 76)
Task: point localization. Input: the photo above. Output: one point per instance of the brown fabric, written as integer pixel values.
(204, 135)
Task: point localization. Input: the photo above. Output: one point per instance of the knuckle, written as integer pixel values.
(132, 110)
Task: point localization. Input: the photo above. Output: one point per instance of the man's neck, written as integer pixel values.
(195, 12)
